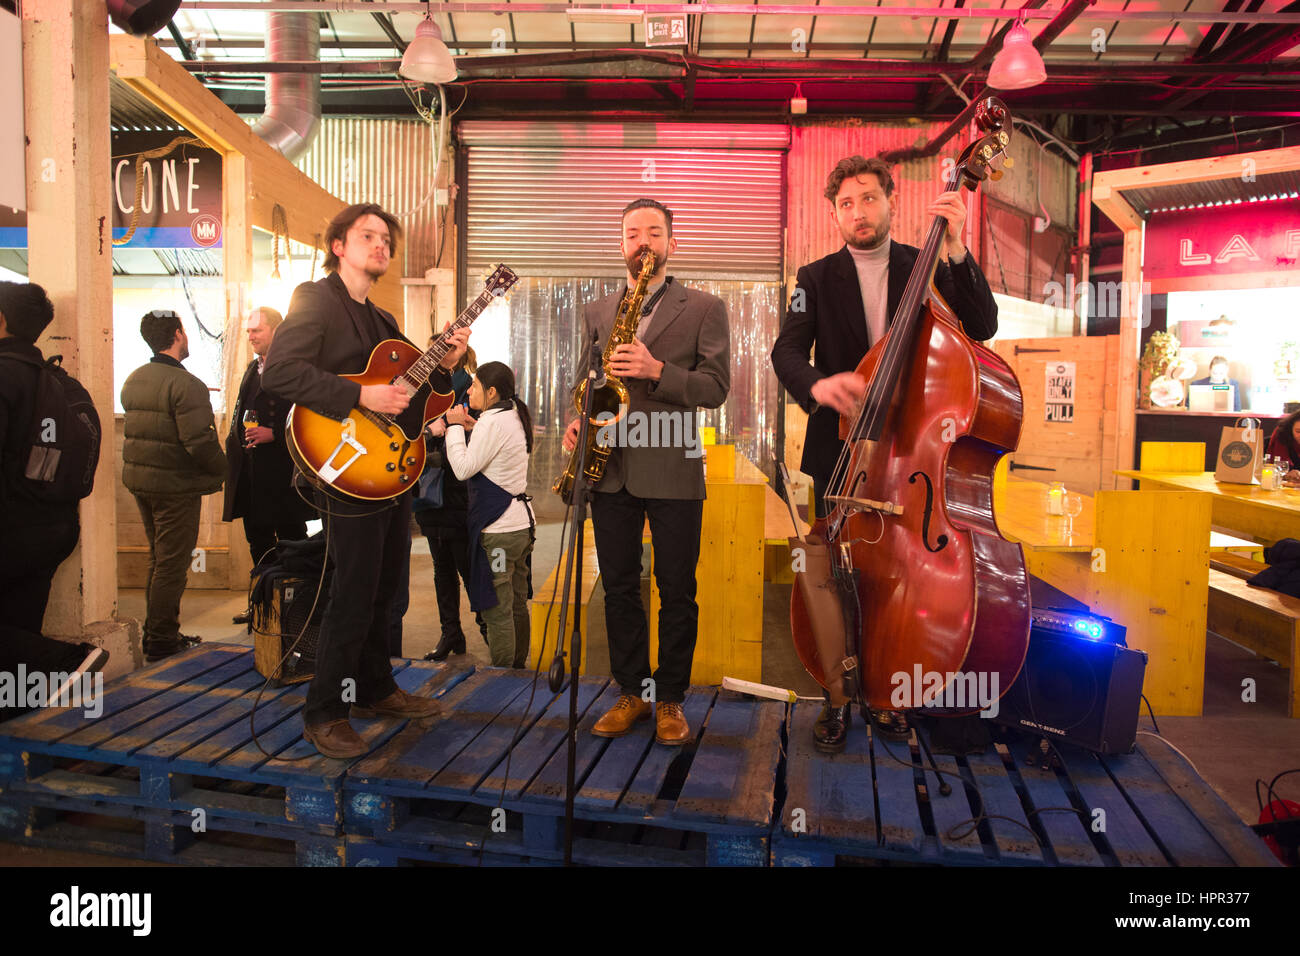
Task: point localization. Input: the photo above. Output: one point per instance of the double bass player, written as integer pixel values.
(842, 305)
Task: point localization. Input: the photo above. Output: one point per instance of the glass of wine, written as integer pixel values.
(1072, 505)
(250, 421)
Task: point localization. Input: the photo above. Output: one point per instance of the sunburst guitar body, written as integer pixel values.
(369, 456)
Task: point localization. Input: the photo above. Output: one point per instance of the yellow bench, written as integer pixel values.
(1260, 620)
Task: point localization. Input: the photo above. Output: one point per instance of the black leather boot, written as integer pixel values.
(447, 645)
(831, 731)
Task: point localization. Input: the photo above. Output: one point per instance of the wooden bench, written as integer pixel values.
(776, 538)
(1260, 620)
(1238, 565)
(544, 611)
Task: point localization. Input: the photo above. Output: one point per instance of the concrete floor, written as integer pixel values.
(1232, 745)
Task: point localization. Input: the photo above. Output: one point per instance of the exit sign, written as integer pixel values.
(665, 29)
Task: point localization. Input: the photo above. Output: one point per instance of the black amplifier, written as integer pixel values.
(1079, 684)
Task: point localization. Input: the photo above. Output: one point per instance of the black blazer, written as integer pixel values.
(320, 340)
(832, 318)
(267, 466)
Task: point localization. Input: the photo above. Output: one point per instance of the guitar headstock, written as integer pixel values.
(501, 280)
(987, 156)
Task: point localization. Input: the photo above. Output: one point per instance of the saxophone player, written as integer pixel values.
(678, 362)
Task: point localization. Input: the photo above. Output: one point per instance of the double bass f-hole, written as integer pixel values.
(942, 540)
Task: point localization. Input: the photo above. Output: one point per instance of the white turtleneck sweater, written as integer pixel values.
(873, 282)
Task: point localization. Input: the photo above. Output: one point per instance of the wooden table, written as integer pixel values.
(1140, 558)
(1246, 509)
(1022, 516)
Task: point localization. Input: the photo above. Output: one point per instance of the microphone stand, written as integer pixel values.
(572, 577)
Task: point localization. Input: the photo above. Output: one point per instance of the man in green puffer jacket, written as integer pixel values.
(170, 460)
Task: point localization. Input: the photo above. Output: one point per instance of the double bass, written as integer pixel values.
(909, 549)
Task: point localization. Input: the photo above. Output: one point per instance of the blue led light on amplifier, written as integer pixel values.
(1092, 627)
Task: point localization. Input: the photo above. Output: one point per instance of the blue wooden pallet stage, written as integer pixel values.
(432, 790)
(880, 802)
(174, 739)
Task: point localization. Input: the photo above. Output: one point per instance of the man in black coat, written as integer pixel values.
(843, 304)
(330, 331)
(260, 486)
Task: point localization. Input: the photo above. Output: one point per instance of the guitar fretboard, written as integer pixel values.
(418, 374)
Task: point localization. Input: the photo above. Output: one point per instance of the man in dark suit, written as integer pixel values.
(679, 362)
(842, 305)
(331, 329)
(259, 488)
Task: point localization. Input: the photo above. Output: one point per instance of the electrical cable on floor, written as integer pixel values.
(1170, 744)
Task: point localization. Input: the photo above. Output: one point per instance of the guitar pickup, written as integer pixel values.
(347, 440)
(853, 505)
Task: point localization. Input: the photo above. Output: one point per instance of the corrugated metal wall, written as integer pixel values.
(814, 151)
(554, 210)
(387, 161)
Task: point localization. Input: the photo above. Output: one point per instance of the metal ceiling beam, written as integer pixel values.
(488, 67)
(184, 47)
(1135, 50)
(725, 9)
(1257, 44)
(1212, 35)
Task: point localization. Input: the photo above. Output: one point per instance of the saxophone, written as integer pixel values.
(609, 402)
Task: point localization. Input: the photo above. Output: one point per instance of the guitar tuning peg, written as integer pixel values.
(995, 174)
(1008, 162)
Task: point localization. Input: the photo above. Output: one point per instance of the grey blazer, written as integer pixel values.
(689, 334)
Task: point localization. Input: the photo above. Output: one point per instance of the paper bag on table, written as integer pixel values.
(1240, 453)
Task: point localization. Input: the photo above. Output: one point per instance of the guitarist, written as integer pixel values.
(330, 330)
(842, 305)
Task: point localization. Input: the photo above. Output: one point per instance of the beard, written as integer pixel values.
(375, 271)
(872, 240)
(634, 262)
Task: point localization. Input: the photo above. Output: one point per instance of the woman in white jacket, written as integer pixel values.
(494, 465)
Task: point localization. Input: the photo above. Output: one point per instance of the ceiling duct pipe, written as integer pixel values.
(292, 114)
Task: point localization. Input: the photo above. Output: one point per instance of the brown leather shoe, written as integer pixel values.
(670, 725)
(336, 738)
(618, 720)
(398, 704)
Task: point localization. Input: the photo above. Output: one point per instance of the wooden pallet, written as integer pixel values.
(865, 806)
(639, 802)
(163, 836)
(175, 738)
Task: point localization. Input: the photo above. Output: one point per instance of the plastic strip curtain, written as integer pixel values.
(545, 329)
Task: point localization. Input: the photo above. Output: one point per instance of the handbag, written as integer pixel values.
(428, 490)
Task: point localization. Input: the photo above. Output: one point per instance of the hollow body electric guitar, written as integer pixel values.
(369, 456)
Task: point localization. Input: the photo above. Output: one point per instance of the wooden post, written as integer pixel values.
(237, 265)
(1130, 332)
(65, 72)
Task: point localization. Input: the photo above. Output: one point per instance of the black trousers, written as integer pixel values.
(28, 559)
(352, 664)
(618, 519)
(449, 549)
